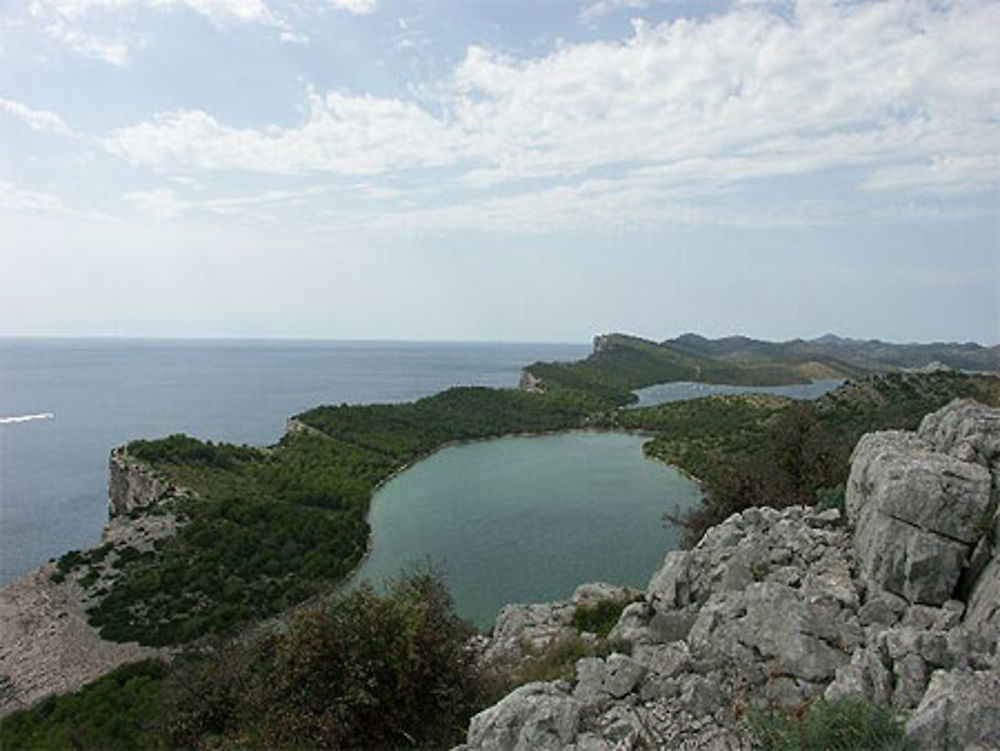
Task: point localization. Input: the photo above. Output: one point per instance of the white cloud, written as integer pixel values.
(40, 120)
(357, 7)
(293, 37)
(113, 52)
(15, 200)
(360, 135)
(164, 203)
(161, 203)
(595, 10)
(901, 95)
(69, 21)
(218, 11)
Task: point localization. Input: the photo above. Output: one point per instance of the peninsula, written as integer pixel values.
(208, 539)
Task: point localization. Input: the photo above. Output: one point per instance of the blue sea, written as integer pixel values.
(86, 396)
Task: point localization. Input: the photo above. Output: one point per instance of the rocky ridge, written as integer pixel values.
(775, 608)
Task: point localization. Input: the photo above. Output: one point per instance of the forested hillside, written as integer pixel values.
(620, 363)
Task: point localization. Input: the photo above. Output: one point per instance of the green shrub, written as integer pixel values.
(600, 617)
(845, 724)
(88, 579)
(827, 498)
(69, 561)
(558, 660)
(366, 671)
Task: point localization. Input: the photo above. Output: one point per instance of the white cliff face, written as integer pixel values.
(133, 485)
(775, 608)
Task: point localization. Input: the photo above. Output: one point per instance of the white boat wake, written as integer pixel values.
(26, 418)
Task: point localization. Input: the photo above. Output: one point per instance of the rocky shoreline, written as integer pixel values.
(899, 603)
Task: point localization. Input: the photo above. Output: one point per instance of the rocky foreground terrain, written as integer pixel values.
(898, 603)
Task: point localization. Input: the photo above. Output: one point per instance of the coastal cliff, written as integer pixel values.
(776, 608)
(133, 485)
(47, 644)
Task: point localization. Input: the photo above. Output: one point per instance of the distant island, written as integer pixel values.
(208, 539)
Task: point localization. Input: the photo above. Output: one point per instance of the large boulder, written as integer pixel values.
(966, 430)
(918, 511)
(958, 711)
(534, 717)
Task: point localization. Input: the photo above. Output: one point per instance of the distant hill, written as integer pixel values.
(621, 363)
(870, 356)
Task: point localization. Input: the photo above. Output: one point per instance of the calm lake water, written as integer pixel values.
(681, 390)
(101, 393)
(528, 519)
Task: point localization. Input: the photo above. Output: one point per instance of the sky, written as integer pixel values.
(511, 170)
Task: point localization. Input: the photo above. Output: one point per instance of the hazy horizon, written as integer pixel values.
(292, 339)
(439, 170)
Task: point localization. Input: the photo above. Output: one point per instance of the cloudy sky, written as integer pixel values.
(533, 170)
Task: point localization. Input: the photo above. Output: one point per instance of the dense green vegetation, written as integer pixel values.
(408, 431)
(181, 449)
(600, 617)
(846, 724)
(121, 710)
(268, 528)
(232, 562)
(364, 671)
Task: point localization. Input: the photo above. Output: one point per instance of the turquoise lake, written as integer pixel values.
(528, 519)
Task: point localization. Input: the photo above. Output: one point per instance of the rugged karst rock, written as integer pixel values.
(775, 608)
(918, 513)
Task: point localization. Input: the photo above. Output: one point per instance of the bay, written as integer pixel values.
(103, 392)
(528, 519)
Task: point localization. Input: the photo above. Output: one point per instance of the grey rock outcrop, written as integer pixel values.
(958, 711)
(521, 631)
(918, 513)
(534, 717)
(133, 485)
(777, 608)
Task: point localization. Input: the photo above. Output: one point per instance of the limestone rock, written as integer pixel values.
(984, 602)
(960, 710)
(902, 477)
(521, 630)
(132, 485)
(777, 624)
(595, 592)
(534, 717)
(965, 429)
(918, 512)
(613, 678)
